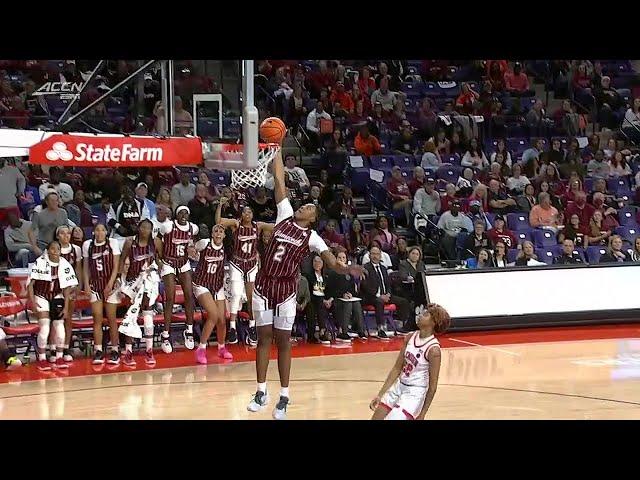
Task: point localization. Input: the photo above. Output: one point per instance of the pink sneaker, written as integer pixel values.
(44, 366)
(60, 363)
(201, 355)
(128, 360)
(149, 358)
(224, 353)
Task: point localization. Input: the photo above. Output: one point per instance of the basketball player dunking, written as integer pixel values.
(274, 295)
(412, 382)
(243, 263)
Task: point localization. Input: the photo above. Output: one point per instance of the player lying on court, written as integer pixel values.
(412, 382)
(274, 296)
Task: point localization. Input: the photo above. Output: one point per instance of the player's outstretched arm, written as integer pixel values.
(280, 189)
(393, 375)
(331, 261)
(225, 222)
(435, 358)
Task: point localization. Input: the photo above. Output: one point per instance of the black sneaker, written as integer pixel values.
(66, 356)
(232, 336)
(362, 336)
(253, 336)
(114, 358)
(324, 339)
(343, 337)
(98, 357)
(382, 335)
(313, 340)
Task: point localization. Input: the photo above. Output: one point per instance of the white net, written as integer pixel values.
(232, 155)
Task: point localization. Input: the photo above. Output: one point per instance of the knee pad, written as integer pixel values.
(43, 333)
(58, 329)
(56, 309)
(147, 317)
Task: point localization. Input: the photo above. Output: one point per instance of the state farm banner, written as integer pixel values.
(72, 150)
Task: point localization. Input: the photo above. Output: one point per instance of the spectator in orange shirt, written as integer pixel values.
(343, 98)
(365, 143)
(544, 215)
(517, 82)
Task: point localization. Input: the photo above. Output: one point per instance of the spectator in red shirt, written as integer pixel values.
(357, 95)
(517, 82)
(365, 143)
(400, 193)
(574, 231)
(366, 84)
(442, 143)
(358, 115)
(448, 198)
(581, 208)
(495, 71)
(321, 79)
(581, 78)
(331, 236)
(427, 118)
(467, 99)
(343, 98)
(500, 232)
(574, 187)
(417, 182)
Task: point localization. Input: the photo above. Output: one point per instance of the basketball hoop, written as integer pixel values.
(229, 156)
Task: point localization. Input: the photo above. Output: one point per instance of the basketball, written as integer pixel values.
(272, 130)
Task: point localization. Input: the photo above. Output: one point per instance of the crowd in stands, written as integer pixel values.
(471, 160)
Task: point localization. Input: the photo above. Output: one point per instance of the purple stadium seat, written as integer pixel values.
(431, 89)
(523, 235)
(517, 145)
(544, 238)
(619, 186)
(359, 179)
(381, 162)
(588, 184)
(453, 159)
(627, 216)
(449, 174)
(404, 161)
(594, 254)
(628, 232)
(518, 221)
(511, 255)
(545, 255)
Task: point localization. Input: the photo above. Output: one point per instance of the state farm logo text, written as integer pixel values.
(88, 153)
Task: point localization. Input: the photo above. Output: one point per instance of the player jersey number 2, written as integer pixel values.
(246, 247)
(277, 257)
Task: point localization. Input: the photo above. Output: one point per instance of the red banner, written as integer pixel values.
(68, 150)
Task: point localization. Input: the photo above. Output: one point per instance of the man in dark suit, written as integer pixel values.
(376, 291)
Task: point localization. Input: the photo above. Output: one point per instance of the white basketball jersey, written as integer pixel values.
(415, 371)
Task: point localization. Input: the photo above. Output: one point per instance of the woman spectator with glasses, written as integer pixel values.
(499, 259)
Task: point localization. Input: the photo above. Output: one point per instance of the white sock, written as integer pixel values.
(190, 328)
(58, 354)
(42, 357)
(262, 387)
(202, 345)
(232, 324)
(252, 323)
(66, 346)
(284, 392)
(165, 334)
(98, 348)
(148, 343)
(128, 347)
(116, 348)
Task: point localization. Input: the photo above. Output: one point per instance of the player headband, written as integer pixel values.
(182, 207)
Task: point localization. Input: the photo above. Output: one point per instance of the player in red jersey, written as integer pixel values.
(101, 257)
(411, 384)
(274, 295)
(51, 280)
(243, 265)
(139, 253)
(177, 239)
(208, 288)
(72, 254)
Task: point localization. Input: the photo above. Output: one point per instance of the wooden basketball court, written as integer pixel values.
(596, 378)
